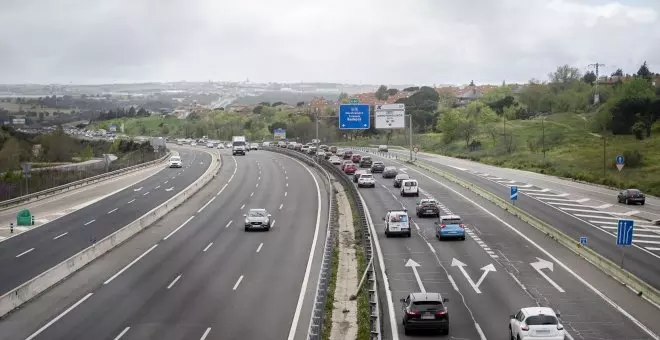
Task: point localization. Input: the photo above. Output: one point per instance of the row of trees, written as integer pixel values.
(132, 112)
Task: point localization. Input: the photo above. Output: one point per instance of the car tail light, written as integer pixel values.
(441, 312)
(560, 327)
(524, 328)
(442, 226)
(462, 226)
(413, 313)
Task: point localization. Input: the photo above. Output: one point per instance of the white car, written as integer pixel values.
(335, 160)
(397, 223)
(221, 146)
(175, 162)
(366, 180)
(409, 187)
(536, 323)
(254, 146)
(210, 145)
(193, 144)
(382, 148)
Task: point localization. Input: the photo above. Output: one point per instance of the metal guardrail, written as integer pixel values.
(69, 186)
(316, 327)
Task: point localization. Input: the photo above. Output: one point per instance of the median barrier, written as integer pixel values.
(37, 285)
(6, 204)
(610, 268)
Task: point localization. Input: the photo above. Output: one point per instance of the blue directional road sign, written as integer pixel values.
(583, 240)
(354, 117)
(620, 159)
(514, 193)
(624, 232)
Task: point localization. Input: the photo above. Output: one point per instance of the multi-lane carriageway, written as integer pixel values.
(503, 265)
(197, 274)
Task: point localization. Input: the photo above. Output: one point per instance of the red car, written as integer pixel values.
(350, 169)
(356, 158)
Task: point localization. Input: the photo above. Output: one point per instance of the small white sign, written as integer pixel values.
(390, 116)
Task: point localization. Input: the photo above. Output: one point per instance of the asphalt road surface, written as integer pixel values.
(578, 217)
(492, 273)
(197, 274)
(29, 254)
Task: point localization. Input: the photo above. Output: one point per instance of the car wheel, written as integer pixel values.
(406, 331)
(445, 331)
(246, 228)
(627, 202)
(409, 234)
(463, 238)
(642, 203)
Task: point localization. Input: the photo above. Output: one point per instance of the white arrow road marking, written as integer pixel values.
(169, 189)
(461, 266)
(138, 189)
(545, 264)
(412, 264)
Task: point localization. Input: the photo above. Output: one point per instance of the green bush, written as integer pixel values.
(633, 158)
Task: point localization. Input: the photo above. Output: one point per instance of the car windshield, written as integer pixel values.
(452, 221)
(257, 213)
(239, 143)
(537, 320)
(423, 306)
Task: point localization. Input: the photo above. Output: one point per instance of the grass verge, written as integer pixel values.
(363, 318)
(330, 298)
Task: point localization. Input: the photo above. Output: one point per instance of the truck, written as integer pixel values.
(238, 145)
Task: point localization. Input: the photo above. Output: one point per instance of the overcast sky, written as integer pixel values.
(349, 41)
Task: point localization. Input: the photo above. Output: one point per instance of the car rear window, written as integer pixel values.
(634, 191)
(411, 184)
(366, 158)
(366, 176)
(403, 176)
(423, 306)
(452, 221)
(429, 204)
(176, 159)
(536, 320)
(399, 218)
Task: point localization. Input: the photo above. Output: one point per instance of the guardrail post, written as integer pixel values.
(32, 219)
(11, 228)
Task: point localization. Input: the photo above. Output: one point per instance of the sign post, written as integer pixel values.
(620, 162)
(514, 194)
(26, 173)
(624, 236)
(354, 117)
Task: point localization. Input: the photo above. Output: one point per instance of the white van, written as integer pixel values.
(175, 162)
(397, 223)
(409, 187)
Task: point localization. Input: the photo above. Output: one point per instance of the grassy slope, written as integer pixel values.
(133, 126)
(577, 154)
(13, 108)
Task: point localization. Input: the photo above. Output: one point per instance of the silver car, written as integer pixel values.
(257, 219)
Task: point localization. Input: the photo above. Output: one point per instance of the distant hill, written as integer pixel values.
(290, 98)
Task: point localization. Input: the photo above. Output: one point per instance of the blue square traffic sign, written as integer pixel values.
(624, 232)
(354, 117)
(583, 240)
(514, 193)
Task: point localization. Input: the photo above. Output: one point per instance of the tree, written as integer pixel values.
(87, 153)
(381, 93)
(142, 112)
(471, 83)
(131, 112)
(392, 92)
(300, 104)
(411, 89)
(10, 154)
(589, 78)
(257, 109)
(564, 76)
(644, 71)
(264, 103)
(618, 73)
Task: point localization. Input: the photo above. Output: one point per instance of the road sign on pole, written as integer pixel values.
(624, 232)
(354, 117)
(390, 116)
(620, 162)
(279, 134)
(583, 240)
(514, 193)
(354, 101)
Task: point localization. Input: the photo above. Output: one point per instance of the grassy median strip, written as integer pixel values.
(363, 318)
(330, 299)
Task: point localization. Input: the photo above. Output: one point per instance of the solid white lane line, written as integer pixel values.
(179, 227)
(122, 333)
(130, 264)
(260, 245)
(145, 194)
(207, 247)
(242, 206)
(57, 318)
(310, 260)
(25, 252)
(206, 333)
(238, 282)
(205, 205)
(131, 201)
(281, 205)
(113, 210)
(252, 194)
(60, 235)
(174, 282)
(482, 336)
(229, 223)
(272, 224)
(90, 222)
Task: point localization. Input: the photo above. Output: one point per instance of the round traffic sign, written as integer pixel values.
(416, 149)
(620, 159)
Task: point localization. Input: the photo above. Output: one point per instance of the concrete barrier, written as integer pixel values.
(608, 267)
(35, 286)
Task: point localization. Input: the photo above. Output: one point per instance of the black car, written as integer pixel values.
(425, 311)
(631, 196)
(377, 167)
(366, 162)
(400, 178)
(427, 207)
(390, 172)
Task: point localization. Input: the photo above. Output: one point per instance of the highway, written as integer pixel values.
(502, 266)
(579, 217)
(197, 274)
(28, 254)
